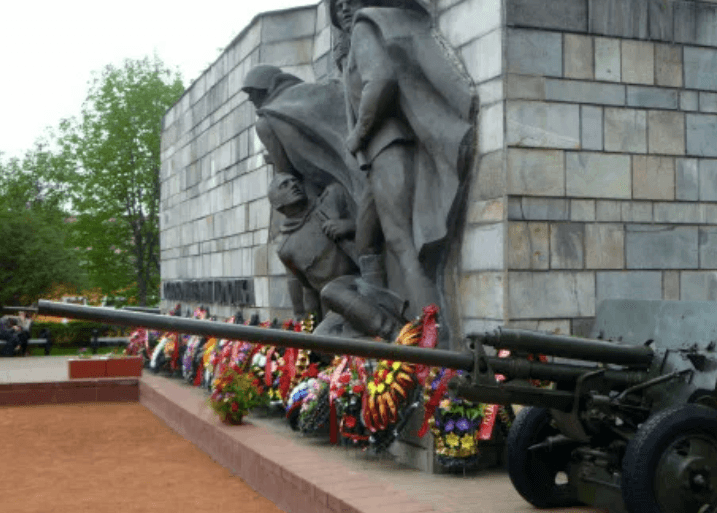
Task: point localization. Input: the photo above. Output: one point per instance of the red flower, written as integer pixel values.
(235, 407)
(312, 371)
(341, 392)
(344, 378)
(357, 389)
(350, 421)
(256, 382)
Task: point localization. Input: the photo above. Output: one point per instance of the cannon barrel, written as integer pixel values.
(567, 347)
(512, 368)
(282, 338)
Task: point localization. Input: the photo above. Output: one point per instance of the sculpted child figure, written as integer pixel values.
(316, 246)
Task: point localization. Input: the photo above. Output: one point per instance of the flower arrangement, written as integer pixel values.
(235, 393)
(315, 412)
(347, 387)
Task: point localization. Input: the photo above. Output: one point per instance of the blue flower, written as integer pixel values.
(449, 426)
(463, 424)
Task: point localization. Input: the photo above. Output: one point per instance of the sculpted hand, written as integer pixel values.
(337, 228)
(354, 142)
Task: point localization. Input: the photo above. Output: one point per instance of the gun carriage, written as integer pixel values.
(629, 424)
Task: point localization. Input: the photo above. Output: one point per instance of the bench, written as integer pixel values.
(39, 342)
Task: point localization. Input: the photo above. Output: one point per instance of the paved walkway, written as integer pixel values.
(476, 492)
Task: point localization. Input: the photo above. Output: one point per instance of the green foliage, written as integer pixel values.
(235, 394)
(35, 251)
(116, 145)
(73, 334)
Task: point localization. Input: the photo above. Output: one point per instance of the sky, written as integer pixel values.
(49, 50)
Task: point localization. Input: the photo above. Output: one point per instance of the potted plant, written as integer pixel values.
(235, 393)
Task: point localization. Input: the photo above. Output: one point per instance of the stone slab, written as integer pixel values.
(701, 134)
(695, 23)
(708, 247)
(652, 97)
(534, 52)
(698, 286)
(628, 285)
(536, 172)
(567, 243)
(597, 175)
(638, 62)
(604, 246)
(708, 180)
(686, 180)
(528, 245)
(584, 92)
(568, 15)
(622, 18)
(541, 124)
(625, 130)
(661, 247)
(555, 294)
(607, 59)
(653, 177)
(700, 68)
(579, 57)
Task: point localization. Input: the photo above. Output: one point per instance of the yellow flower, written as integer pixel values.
(396, 365)
(389, 379)
(452, 440)
(381, 388)
(445, 404)
(468, 442)
(372, 387)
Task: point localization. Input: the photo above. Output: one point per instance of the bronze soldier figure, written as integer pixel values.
(411, 112)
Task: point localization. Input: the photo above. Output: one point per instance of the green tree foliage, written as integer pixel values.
(35, 254)
(115, 188)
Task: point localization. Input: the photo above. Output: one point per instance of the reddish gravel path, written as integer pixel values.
(110, 458)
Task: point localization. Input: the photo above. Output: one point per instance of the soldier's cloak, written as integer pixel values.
(310, 122)
(436, 97)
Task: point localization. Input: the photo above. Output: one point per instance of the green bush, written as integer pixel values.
(76, 333)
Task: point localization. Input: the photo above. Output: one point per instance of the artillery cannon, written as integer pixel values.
(629, 425)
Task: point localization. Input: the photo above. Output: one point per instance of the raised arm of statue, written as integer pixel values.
(378, 83)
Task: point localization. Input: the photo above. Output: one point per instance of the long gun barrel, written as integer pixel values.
(567, 347)
(282, 338)
(591, 350)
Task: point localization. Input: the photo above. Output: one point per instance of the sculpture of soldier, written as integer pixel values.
(303, 128)
(410, 110)
(316, 246)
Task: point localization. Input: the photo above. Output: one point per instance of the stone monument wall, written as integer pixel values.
(597, 177)
(215, 216)
(608, 160)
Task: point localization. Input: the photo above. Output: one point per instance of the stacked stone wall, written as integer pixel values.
(215, 215)
(610, 139)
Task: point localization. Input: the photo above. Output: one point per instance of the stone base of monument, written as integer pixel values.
(412, 451)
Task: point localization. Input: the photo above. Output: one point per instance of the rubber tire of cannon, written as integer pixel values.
(533, 473)
(673, 438)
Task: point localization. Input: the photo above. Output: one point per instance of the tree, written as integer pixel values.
(115, 190)
(35, 255)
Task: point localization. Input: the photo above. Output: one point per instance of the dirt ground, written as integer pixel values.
(107, 458)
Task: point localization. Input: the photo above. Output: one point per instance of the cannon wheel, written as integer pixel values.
(536, 473)
(671, 463)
